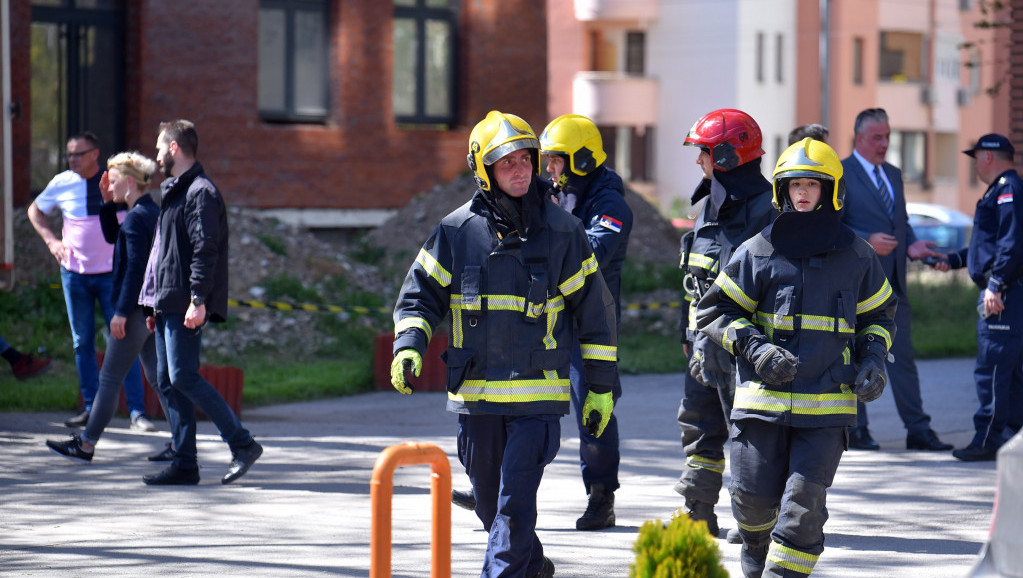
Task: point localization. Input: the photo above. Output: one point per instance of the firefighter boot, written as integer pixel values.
(700, 512)
(600, 511)
(753, 560)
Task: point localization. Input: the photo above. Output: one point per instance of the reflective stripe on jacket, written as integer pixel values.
(510, 301)
(822, 309)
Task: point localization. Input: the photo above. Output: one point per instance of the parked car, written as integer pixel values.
(948, 228)
(1002, 554)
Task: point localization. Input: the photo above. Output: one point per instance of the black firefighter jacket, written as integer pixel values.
(512, 301)
(823, 309)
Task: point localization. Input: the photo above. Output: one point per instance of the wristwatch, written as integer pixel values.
(197, 301)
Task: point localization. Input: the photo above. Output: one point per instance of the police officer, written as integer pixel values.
(806, 308)
(516, 274)
(573, 154)
(737, 206)
(995, 262)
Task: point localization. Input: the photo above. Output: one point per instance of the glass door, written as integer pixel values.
(77, 60)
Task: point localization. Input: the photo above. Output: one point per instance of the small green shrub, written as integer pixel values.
(683, 549)
(289, 287)
(275, 244)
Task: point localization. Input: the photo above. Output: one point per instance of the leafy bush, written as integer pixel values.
(683, 549)
(275, 244)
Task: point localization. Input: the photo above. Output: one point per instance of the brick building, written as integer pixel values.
(334, 110)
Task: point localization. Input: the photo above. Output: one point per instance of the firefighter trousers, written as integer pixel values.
(703, 417)
(504, 456)
(598, 457)
(780, 477)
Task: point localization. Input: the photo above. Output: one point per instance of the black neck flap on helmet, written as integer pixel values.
(799, 235)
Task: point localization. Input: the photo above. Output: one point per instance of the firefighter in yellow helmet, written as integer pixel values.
(572, 152)
(517, 274)
(808, 312)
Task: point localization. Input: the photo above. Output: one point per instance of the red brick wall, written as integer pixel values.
(197, 59)
(1015, 84)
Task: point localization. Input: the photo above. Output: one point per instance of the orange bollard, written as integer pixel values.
(381, 490)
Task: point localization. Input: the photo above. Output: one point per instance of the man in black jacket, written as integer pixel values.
(186, 285)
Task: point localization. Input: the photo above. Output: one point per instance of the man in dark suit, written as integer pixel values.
(876, 210)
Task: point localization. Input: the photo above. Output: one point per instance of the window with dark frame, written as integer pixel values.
(760, 57)
(902, 56)
(910, 154)
(857, 63)
(635, 53)
(779, 58)
(294, 49)
(424, 79)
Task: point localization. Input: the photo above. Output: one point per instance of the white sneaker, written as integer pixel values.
(142, 423)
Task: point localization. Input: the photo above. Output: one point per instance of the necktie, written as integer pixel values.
(882, 189)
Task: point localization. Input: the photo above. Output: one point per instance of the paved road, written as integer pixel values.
(304, 509)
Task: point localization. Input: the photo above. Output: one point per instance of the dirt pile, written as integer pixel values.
(653, 239)
(265, 252)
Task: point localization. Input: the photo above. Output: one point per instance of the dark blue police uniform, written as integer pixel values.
(994, 259)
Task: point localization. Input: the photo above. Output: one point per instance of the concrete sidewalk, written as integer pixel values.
(304, 508)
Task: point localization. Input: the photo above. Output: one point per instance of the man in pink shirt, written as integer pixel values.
(86, 261)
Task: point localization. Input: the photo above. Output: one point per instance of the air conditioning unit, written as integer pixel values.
(963, 97)
(928, 95)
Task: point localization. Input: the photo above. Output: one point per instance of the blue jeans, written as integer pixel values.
(177, 375)
(81, 292)
(123, 356)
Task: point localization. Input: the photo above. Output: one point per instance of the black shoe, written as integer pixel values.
(733, 536)
(600, 510)
(547, 570)
(462, 499)
(699, 512)
(167, 455)
(972, 453)
(928, 441)
(243, 460)
(79, 420)
(859, 439)
(172, 475)
(71, 449)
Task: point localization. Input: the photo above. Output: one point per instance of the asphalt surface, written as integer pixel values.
(304, 508)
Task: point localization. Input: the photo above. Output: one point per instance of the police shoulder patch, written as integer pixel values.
(1005, 198)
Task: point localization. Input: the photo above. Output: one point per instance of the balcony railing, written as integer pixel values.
(638, 10)
(615, 99)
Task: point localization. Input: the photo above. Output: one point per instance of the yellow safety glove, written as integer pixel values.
(602, 405)
(406, 360)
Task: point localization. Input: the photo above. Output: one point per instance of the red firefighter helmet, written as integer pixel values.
(730, 136)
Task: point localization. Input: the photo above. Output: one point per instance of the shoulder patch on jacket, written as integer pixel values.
(609, 222)
(1005, 198)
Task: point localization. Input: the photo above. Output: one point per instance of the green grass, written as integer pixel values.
(944, 316)
(268, 382)
(649, 353)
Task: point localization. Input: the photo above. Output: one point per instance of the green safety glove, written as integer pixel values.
(602, 405)
(406, 360)
(870, 381)
(773, 364)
